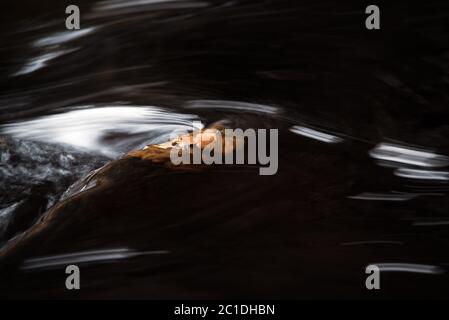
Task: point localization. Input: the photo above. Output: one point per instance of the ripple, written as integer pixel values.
(114, 7)
(232, 106)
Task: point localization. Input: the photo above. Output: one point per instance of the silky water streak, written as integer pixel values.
(218, 145)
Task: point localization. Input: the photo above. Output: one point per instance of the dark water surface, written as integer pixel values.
(363, 123)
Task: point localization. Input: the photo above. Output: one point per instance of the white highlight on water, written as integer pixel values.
(314, 134)
(94, 256)
(409, 267)
(40, 61)
(405, 155)
(422, 174)
(232, 105)
(88, 128)
(63, 37)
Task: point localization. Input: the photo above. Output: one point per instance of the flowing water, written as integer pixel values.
(363, 172)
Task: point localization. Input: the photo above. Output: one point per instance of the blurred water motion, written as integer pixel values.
(79, 258)
(422, 174)
(404, 155)
(231, 106)
(409, 267)
(311, 133)
(384, 197)
(39, 62)
(111, 130)
(139, 5)
(431, 223)
(363, 149)
(63, 37)
(372, 242)
(5, 216)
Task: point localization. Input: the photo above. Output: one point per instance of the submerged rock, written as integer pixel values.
(213, 234)
(144, 202)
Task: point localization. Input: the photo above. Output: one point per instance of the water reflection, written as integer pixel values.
(409, 267)
(63, 37)
(107, 130)
(314, 134)
(84, 257)
(238, 106)
(39, 62)
(402, 155)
